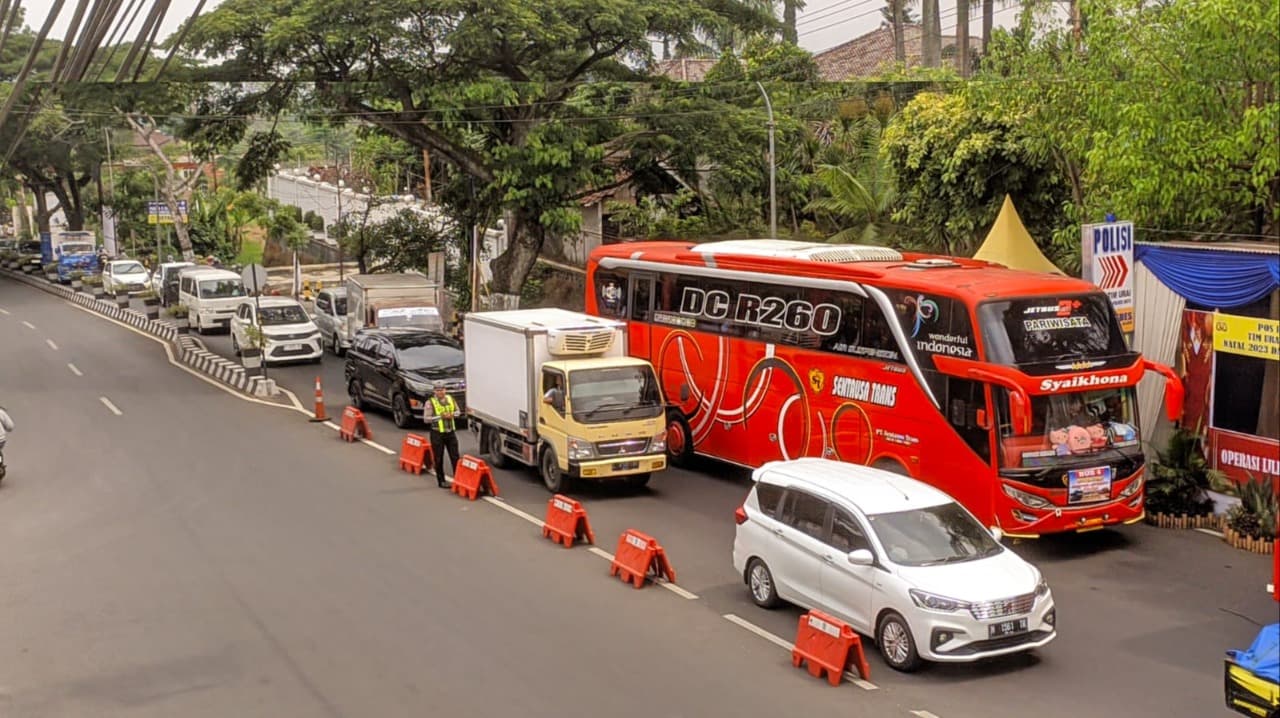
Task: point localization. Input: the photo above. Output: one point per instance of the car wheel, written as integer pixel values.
(679, 440)
(896, 644)
(199, 329)
(492, 448)
(552, 477)
(356, 393)
(760, 582)
(337, 346)
(400, 413)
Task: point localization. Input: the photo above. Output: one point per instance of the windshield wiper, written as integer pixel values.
(607, 405)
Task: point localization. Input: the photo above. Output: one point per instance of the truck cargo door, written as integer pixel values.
(640, 301)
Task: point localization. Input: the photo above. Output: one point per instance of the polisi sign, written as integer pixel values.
(1107, 254)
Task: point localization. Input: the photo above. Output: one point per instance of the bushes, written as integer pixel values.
(1255, 515)
(1179, 479)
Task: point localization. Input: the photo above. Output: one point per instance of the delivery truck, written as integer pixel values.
(555, 389)
(401, 299)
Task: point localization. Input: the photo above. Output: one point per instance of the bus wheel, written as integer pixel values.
(892, 467)
(679, 440)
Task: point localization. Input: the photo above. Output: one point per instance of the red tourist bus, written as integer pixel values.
(1012, 391)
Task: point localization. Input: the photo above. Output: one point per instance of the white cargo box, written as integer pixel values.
(506, 350)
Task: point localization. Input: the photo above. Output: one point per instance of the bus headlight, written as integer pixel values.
(1025, 498)
(1132, 488)
(580, 449)
(658, 442)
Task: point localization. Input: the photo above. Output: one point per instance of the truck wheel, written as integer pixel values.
(638, 481)
(679, 440)
(492, 443)
(552, 477)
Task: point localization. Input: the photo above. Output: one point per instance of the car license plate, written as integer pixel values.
(293, 347)
(1007, 628)
(626, 465)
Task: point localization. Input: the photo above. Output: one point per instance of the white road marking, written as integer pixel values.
(513, 510)
(107, 403)
(74, 370)
(923, 714)
(677, 590)
(51, 344)
(1210, 532)
(28, 325)
(601, 553)
(789, 646)
(4, 311)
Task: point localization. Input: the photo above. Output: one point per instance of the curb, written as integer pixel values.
(190, 352)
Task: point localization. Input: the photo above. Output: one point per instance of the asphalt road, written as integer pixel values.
(1144, 614)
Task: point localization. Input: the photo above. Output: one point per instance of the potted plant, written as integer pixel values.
(77, 280)
(1251, 524)
(93, 285)
(152, 302)
(179, 313)
(251, 355)
(51, 271)
(1178, 484)
(9, 259)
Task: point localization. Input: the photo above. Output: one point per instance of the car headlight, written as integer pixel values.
(658, 442)
(1042, 588)
(1025, 498)
(934, 602)
(580, 449)
(1133, 487)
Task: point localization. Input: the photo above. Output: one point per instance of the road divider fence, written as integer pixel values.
(473, 478)
(639, 556)
(415, 454)
(566, 522)
(828, 644)
(354, 425)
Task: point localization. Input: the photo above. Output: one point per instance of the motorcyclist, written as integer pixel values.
(6, 425)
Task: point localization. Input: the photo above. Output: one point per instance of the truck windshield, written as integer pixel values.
(613, 393)
(75, 247)
(1069, 428)
(1050, 328)
(221, 288)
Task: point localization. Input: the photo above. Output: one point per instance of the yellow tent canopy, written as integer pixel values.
(1010, 244)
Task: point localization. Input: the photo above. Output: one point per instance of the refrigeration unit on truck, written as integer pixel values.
(402, 299)
(555, 389)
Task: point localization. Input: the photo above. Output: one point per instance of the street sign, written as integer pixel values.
(255, 277)
(1107, 261)
(158, 212)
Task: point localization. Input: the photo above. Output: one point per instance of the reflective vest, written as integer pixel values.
(442, 424)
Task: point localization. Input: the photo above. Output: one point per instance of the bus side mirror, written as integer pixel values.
(981, 420)
(1174, 392)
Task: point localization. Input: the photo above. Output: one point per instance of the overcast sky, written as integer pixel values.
(823, 24)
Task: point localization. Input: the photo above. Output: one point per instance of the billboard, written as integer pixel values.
(1107, 261)
(158, 212)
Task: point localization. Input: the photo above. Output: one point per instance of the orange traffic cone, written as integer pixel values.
(320, 415)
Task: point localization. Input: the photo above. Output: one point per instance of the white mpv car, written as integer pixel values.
(287, 332)
(896, 558)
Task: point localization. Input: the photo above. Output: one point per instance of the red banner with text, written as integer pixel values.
(1241, 456)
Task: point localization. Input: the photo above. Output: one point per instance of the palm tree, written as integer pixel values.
(897, 13)
(789, 10)
(962, 37)
(860, 192)
(930, 34)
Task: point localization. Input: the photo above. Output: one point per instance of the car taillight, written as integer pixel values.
(740, 515)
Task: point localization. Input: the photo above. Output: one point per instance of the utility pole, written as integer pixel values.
(773, 186)
(426, 169)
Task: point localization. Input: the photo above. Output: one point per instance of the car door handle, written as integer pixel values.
(828, 558)
(777, 532)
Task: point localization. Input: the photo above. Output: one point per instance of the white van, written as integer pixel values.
(211, 296)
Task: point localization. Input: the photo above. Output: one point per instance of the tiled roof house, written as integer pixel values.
(867, 55)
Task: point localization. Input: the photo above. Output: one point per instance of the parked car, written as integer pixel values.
(331, 317)
(29, 253)
(165, 281)
(212, 296)
(125, 275)
(288, 334)
(395, 369)
(896, 558)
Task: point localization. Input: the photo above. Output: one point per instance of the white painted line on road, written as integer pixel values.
(789, 646)
(677, 590)
(28, 325)
(601, 553)
(74, 370)
(513, 510)
(923, 714)
(4, 311)
(51, 344)
(107, 403)
(1210, 532)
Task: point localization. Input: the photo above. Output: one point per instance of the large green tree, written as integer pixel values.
(497, 91)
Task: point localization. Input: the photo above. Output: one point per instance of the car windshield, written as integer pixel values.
(221, 289)
(1050, 328)
(432, 355)
(930, 536)
(340, 306)
(127, 268)
(292, 314)
(611, 393)
(76, 247)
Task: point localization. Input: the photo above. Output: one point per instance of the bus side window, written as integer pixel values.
(846, 338)
(640, 292)
(964, 399)
(611, 294)
(877, 337)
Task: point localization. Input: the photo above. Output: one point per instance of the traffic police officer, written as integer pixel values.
(440, 415)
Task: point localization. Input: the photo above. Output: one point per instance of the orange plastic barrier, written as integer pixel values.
(354, 424)
(415, 453)
(637, 556)
(320, 415)
(473, 478)
(566, 522)
(828, 644)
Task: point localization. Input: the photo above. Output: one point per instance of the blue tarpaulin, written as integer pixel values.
(1212, 277)
(1263, 657)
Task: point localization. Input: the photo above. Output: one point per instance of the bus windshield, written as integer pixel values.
(613, 393)
(1045, 329)
(1087, 426)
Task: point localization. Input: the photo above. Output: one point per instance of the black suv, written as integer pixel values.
(396, 368)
